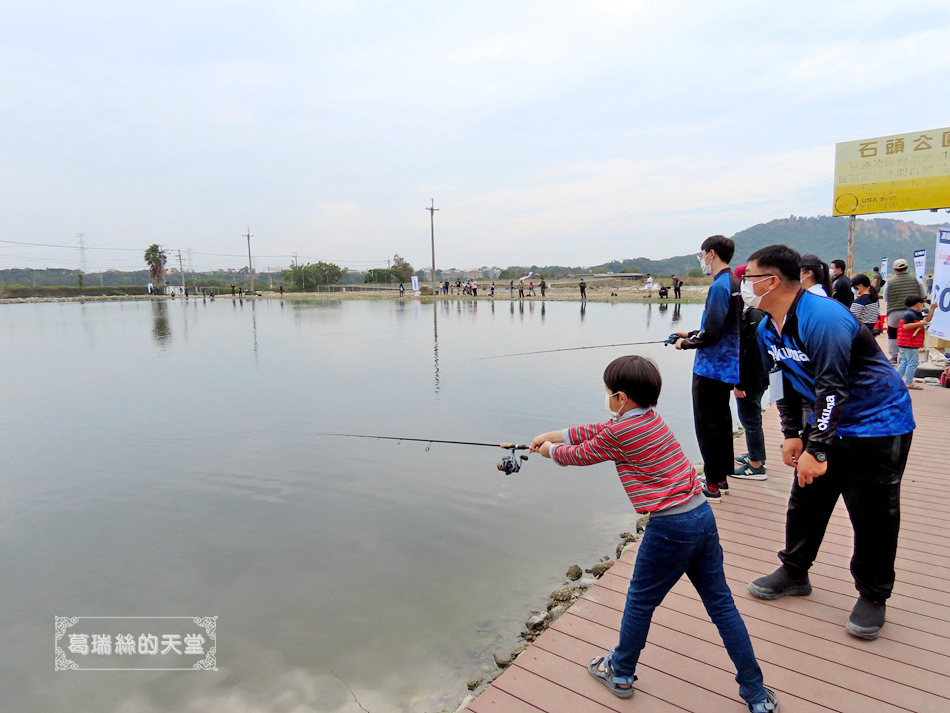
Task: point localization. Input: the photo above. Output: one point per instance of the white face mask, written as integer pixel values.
(607, 398)
(704, 266)
(746, 289)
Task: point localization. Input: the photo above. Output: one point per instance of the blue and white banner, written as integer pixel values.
(884, 267)
(940, 325)
(920, 264)
(415, 283)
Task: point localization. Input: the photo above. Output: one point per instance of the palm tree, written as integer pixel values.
(155, 258)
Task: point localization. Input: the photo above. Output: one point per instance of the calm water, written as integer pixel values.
(165, 459)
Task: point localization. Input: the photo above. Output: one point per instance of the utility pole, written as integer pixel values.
(250, 266)
(181, 269)
(432, 209)
(849, 266)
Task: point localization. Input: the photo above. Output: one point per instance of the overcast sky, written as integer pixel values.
(551, 132)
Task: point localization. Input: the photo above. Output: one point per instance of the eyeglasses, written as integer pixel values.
(761, 274)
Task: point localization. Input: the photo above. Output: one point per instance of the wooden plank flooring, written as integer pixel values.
(800, 642)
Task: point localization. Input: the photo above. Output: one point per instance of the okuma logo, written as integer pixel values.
(783, 353)
(824, 420)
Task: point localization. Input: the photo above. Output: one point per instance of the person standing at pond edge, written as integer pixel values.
(681, 537)
(896, 292)
(543, 286)
(865, 306)
(842, 284)
(753, 380)
(583, 287)
(716, 366)
(855, 444)
(677, 283)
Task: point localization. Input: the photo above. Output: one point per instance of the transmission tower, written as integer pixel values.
(83, 260)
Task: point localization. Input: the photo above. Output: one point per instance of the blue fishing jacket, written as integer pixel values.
(828, 357)
(717, 341)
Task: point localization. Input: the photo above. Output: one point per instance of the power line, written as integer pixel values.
(65, 247)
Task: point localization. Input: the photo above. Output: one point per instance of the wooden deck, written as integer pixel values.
(801, 644)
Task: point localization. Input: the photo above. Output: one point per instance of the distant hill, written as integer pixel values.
(824, 236)
(827, 238)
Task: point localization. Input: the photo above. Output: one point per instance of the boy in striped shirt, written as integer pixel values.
(681, 537)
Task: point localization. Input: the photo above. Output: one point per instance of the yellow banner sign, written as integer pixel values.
(892, 173)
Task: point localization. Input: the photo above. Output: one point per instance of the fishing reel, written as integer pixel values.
(670, 340)
(511, 463)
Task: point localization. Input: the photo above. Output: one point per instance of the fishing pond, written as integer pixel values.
(166, 459)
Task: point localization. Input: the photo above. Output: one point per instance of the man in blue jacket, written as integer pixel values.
(716, 367)
(854, 445)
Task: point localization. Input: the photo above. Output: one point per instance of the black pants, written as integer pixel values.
(867, 472)
(713, 418)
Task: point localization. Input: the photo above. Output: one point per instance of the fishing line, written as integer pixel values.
(669, 340)
(517, 447)
(507, 465)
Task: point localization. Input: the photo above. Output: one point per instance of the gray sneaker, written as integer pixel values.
(866, 619)
(779, 584)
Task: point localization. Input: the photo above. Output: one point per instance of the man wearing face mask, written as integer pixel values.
(716, 367)
(854, 445)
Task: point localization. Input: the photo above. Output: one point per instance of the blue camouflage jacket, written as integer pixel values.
(717, 340)
(828, 357)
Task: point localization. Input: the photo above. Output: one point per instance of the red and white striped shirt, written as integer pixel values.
(654, 471)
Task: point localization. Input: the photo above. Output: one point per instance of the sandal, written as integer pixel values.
(769, 705)
(620, 686)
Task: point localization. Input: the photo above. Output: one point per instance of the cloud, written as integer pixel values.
(581, 123)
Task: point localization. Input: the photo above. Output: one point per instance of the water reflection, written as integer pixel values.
(232, 515)
(435, 347)
(676, 313)
(583, 309)
(254, 325)
(161, 330)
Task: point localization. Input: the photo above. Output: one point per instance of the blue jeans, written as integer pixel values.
(674, 545)
(750, 416)
(907, 365)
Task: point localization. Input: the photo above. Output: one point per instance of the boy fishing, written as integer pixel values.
(681, 537)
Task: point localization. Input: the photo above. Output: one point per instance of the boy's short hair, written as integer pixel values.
(912, 300)
(723, 246)
(637, 377)
(779, 257)
(840, 264)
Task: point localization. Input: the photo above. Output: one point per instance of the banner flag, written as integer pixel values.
(920, 264)
(940, 325)
(884, 267)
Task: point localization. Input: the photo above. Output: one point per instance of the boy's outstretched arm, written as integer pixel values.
(541, 439)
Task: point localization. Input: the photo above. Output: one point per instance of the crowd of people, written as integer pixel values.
(806, 331)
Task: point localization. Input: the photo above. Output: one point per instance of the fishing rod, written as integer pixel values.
(669, 340)
(507, 465)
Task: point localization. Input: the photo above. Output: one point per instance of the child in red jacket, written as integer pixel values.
(910, 338)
